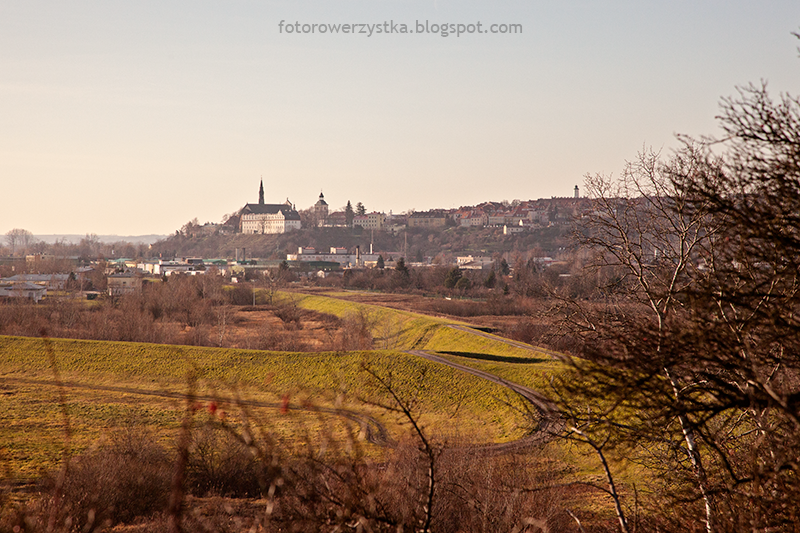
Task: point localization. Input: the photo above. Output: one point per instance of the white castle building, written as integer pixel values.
(264, 218)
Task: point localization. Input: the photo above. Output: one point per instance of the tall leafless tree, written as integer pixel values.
(19, 238)
(696, 329)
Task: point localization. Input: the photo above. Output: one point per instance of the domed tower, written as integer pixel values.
(321, 210)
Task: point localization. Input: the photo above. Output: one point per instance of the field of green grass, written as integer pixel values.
(489, 353)
(151, 379)
(141, 383)
(392, 328)
(421, 332)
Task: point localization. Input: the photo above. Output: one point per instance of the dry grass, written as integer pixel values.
(112, 382)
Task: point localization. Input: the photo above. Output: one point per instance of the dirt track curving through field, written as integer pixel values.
(373, 430)
(548, 421)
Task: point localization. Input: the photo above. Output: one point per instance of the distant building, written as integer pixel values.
(264, 218)
(22, 289)
(372, 220)
(473, 218)
(336, 255)
(337, 219)
(321, 210)
(469, 262)
(49, 281)
(427, 219)
(516, 228)
(123, 283)
(164, 267)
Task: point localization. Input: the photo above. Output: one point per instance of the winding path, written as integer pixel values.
(374, 431)
(547, 423)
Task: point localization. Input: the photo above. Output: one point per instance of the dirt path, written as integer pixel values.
(548, 421)
(374, 431)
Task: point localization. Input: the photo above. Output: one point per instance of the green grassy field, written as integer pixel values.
(400, 330)
(112, 385)
(31, 424)
(404, 330)
(143, 383)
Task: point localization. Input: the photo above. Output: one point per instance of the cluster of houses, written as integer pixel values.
(32, 286)
(125, 275)
(513, 218)
(519, 216)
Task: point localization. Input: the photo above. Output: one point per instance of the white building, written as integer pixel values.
(264, 218)
(372, 220)
(336, 255)
(478, 262)
(269, 218)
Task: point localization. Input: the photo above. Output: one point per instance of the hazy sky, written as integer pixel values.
(133, 117)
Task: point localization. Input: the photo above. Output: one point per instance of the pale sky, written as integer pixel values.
(133, 117)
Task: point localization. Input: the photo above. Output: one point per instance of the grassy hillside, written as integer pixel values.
(137, 383)
(403, 330)
(392, 328)
(114, 383)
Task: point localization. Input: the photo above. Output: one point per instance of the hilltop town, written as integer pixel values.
(354, 237)
(513, 217)
(316, 242)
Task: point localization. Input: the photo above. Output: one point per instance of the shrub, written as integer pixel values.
(126, 479)
(220, 464)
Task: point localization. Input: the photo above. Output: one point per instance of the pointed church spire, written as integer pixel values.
(261, 193)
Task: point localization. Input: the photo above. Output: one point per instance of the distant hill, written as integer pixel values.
(75, 239)
(419, 242)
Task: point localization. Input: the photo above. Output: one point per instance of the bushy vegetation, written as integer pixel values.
(121, 480)
(318, 484)
(199, 311)
(695, 355)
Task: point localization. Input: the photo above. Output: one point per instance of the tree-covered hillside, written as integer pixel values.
(419, 243)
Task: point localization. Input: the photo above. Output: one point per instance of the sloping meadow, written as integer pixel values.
(104, 385)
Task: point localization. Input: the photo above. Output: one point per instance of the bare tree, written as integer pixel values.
(21, 238)
(696, 324)
(647, 239)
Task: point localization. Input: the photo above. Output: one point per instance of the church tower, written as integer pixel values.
(321, 210)
(261, 193)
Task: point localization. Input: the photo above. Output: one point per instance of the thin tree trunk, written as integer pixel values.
(694, 456)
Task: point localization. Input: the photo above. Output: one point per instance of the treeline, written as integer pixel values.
(529, 277)
(196, 310)
(20, 242)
